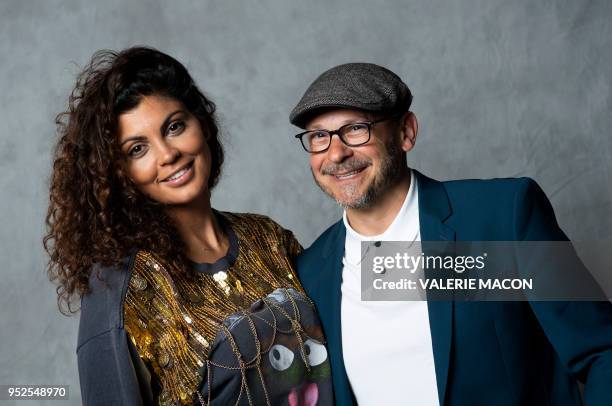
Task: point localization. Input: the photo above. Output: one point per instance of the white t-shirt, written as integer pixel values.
(386, 345)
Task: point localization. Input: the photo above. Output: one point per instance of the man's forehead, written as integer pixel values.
(337, 117)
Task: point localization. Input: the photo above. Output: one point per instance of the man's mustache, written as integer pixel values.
(351, 164)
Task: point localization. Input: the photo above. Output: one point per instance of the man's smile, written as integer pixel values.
(346, 171)
(349, 175)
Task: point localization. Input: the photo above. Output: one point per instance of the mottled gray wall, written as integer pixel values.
(502, 88)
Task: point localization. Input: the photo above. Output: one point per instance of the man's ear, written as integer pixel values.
(409, 128)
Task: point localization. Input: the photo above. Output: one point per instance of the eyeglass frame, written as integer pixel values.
(369, 124)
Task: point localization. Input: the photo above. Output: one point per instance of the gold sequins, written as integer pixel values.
(220, 276)
(183, 313)
(141, 323)
(165, 398)
(162, 309)
(194, 297)
(164, 360)
(198, 337)
(183, 393)
(221, 279)
(138, 282)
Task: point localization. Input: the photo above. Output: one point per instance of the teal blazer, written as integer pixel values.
(485, 353)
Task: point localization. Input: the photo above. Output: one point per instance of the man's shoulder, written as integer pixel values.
(496, 209)
(493, 185)
(493, 193)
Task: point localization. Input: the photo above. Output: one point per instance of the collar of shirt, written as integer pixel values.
(404, 227)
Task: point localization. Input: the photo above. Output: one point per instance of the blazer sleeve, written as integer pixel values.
(111, 372)
(579, 331)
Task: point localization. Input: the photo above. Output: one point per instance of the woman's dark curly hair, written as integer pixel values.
(96, 214)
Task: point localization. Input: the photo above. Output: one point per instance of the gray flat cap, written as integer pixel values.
(362, 86)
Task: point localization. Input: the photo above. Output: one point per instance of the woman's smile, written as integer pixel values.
(180, 177)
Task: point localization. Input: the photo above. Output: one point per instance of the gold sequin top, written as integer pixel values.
(172, 319)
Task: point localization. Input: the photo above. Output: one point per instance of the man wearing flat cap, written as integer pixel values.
(357, 131)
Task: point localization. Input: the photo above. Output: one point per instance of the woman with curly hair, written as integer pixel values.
(180, 303)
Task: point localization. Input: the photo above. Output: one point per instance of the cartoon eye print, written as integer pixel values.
(281, 357)
(316, 352)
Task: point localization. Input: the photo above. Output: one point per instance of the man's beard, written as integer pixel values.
(392, 163)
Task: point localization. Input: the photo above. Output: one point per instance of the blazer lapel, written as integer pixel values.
(331, 297)
(434, 209)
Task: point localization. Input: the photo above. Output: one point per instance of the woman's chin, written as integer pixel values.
(188, 197)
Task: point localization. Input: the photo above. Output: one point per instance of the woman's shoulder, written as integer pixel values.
(264, 233)
(253, 224)
(102, 307)
(250, 218)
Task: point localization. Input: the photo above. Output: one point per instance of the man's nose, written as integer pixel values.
(338, 151)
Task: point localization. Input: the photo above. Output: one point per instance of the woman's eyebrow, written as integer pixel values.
(133, 138)
(166, 122)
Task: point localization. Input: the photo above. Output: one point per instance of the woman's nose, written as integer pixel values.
(168, 154)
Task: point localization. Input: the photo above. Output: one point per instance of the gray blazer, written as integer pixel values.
(110, 370)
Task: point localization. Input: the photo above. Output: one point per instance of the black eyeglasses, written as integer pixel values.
(352, 134)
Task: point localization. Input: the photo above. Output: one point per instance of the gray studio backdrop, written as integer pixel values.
(502, 88)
